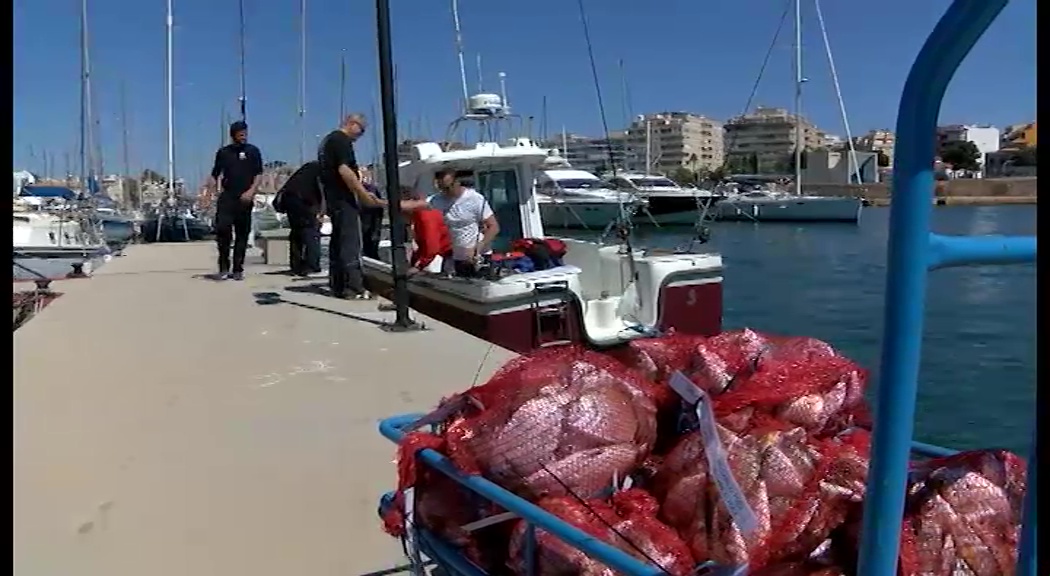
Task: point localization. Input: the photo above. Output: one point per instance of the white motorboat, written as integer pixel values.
(667, 203)
(769, 205)
(578, 199)
(40, 234)
(600, 295)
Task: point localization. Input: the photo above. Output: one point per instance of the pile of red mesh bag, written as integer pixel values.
(745, 450)
(627, 521)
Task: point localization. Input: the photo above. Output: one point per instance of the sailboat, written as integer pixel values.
(768, 204)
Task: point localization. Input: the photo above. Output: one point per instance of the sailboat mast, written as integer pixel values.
(124, 129)
(798, 97)
(648, 146)
(302, 82)
(171, 104)
(83, 94)
(243, 98)
(342, 86)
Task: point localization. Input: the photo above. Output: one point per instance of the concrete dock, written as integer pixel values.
(167, 424)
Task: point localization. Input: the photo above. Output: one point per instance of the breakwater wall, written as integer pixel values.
(985, 189)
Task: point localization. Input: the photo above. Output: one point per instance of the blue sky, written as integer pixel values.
(688, 55)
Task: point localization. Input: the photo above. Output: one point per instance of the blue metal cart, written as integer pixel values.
(913, 252)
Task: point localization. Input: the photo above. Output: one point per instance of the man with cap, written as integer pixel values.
(239, 165)
(345, 197)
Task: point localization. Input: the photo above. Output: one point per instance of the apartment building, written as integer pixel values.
(765, 138)
(676, 140)
(879, 140)
(598, 155)
(985, 138)
(1019, 136)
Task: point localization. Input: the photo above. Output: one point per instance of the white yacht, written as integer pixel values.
(571, 198)
(667, 203)
(771, 205)
(599, 295)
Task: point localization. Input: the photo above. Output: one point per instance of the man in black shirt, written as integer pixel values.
(345, 196)
(301, 200)
(239, 165)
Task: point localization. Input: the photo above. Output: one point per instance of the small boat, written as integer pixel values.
(770, 205)
(667, 203)
(601, 295)
(578, 199)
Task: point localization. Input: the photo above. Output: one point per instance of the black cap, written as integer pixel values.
(238, 126)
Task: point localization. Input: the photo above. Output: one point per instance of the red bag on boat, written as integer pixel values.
(628, 521)
(775, 494)
(963, 515)
(561, 420)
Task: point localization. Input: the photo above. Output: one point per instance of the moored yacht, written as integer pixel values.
(599, 296)
(570, 198)
(667, 203)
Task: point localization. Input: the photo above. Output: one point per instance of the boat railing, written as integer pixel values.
(913, 251)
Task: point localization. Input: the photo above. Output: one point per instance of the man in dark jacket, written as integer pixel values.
(301, 200)
(344, 197)
(238, 166)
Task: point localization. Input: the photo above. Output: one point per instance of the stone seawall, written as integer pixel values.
(990, 188)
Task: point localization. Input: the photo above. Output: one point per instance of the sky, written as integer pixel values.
(677, 55)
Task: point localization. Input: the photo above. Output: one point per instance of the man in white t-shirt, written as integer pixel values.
(468, 216)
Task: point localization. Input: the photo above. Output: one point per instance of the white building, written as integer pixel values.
(985, 138)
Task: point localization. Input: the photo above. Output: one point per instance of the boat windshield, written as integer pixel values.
(651, 182)
(581, 183)
(500, 188)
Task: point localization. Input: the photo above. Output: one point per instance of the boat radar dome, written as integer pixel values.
(485, 105)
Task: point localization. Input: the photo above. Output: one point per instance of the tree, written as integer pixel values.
(151, 176)
(718, 174)
(683, 175)
(804, 157)
(1024, 157)
(961, 154)
(883, 159)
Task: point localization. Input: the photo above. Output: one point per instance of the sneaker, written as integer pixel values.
(221, 276)
(238, 276)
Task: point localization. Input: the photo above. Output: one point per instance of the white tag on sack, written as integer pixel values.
(717, 459)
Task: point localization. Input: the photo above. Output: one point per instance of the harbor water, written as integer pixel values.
(977, 384)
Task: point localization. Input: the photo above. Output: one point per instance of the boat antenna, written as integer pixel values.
(243, 98)
(302, 82)
(799, 79)
(459, 54)
(543, 120)
(481, 82)
(503, 91)
(170, 24)
(125, 186)
(402, 322)
(623, 225)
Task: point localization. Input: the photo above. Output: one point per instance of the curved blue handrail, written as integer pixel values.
(913, 251)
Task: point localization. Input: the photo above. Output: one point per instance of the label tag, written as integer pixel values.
(715, 453)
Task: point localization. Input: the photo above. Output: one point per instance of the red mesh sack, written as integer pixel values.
(963, 515)
(790, 482)
(718, 361)
(560, 420)
(628, 522)
(796, 382)
(655, 359)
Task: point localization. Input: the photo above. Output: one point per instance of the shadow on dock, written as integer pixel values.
(271, 298)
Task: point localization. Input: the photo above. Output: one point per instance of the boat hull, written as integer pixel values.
(524, 325)
(845, 210)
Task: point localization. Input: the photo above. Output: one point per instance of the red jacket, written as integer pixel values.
(431, 235)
